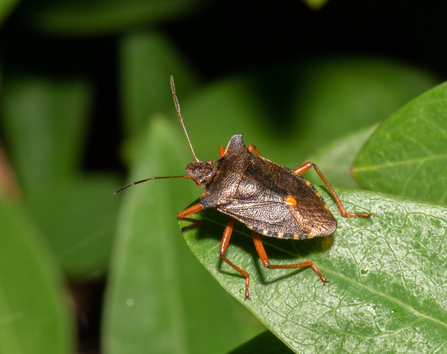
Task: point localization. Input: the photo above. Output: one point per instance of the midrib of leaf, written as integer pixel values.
(404, 162)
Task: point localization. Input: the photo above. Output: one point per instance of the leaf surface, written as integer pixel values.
(104, 16)
(160, 299)
(388, 285)
(34, 317)
(315, 4)
(407, 154)
(147, 61)
(78, 218)
(6, 6)
(45, 121)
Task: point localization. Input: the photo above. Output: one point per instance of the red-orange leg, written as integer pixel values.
(223, 248)
(191, 210)
(303, 168)
(252, 148)
(221, 151)
(265, 261)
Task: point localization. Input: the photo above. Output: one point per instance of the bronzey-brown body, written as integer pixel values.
(268, 198)
(255, 191)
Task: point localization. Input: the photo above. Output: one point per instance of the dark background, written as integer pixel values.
(218, 39)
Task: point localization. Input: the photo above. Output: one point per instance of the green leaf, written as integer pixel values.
(44, 121)
(84, 17)
(264, 343)
(336, 158)
(316, 4)
(78, 218)
(291, 111)
(324, 99)
(336, 96)
(160, 299)
(6, 7)
(146, 309)
(34, 317)
(407, 154)
(388, 285)
(147, 61)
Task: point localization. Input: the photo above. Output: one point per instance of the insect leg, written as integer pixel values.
(223, 248)
(221, 151)
(303, 168)
(254, 149)
(191, 210)
(265, 261)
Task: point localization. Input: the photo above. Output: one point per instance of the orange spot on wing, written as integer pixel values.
(289, 200)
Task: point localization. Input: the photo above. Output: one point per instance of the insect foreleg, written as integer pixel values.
(191, 210)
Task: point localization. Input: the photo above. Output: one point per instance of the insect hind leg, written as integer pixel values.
(305, 167)
(223, 249)
(266, 263)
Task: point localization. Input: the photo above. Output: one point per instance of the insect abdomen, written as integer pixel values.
(285, 236)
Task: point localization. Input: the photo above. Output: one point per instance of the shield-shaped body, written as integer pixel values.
(270, 199)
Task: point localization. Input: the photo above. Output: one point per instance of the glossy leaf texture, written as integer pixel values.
(387, 290)
(407, 154)
(159, 298)
(34, 317)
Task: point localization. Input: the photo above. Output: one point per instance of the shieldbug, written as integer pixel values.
(268, 198)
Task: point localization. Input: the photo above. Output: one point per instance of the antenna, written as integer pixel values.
(150, 179)
(177, 107)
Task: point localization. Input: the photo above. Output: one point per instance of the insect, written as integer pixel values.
(268, 198)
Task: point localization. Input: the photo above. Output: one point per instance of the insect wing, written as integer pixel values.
(263, 202)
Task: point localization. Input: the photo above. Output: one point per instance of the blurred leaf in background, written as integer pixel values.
(160, 296)
(105, 16)
(336, 159)
(85, 95)
(6, 7)
(45, 121)
(34, 308)
(407, 154)
(146, 91)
